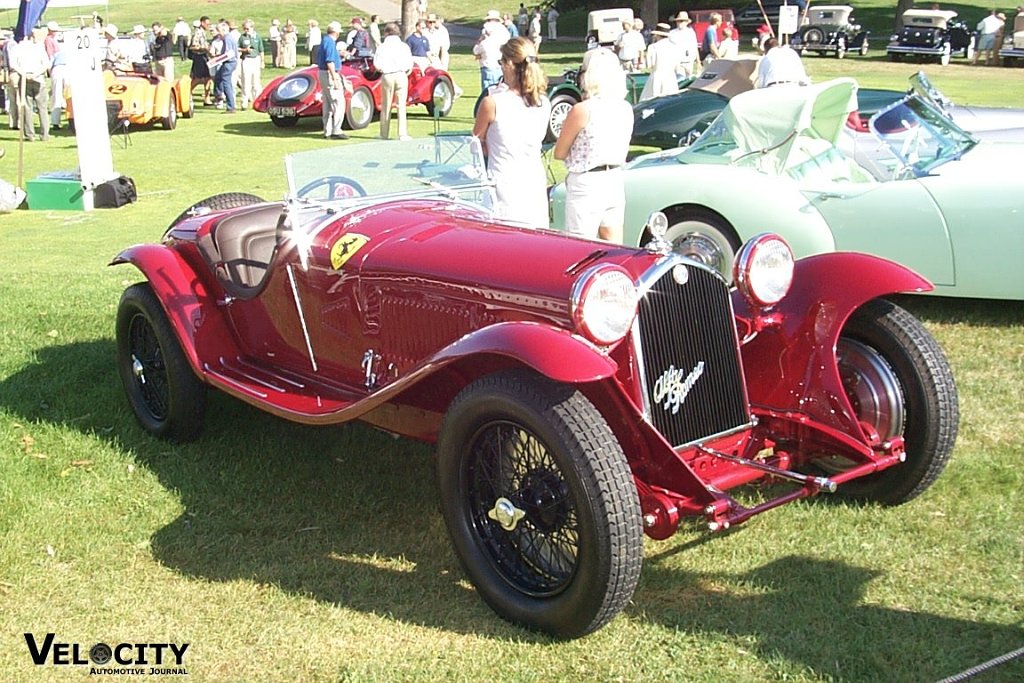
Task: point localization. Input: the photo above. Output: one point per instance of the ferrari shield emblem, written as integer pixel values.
(345, 248)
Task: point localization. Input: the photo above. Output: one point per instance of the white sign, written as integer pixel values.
(85, 61)
(789, 19)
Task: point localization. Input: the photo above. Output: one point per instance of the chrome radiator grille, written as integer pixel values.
(693, 381)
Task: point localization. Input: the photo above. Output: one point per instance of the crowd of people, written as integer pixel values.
(513, 112)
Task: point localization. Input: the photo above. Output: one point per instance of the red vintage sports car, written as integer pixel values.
(580, 394)
(297, 94)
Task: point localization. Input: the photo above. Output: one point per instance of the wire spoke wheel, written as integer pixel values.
(148, 368)
(539, 502)
(536, 553)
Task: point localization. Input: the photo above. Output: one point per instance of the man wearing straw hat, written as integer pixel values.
(686, 41)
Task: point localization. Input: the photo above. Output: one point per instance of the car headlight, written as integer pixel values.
(604, 302)
(763, 270)
(293, 88)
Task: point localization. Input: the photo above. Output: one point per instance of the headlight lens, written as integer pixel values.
(292, 88)
(604, 302)
(763, 270)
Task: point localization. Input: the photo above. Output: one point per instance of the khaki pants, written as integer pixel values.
(394, 89)
(35, 92)
(251, 87)
(333, 105)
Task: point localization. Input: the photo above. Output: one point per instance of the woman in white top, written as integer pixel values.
(511, 122)
(593, 143)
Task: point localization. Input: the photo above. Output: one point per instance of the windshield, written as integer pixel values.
(920, 84)
(920, 135)
(449, 166)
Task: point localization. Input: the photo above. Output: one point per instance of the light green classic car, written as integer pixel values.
(918, 189)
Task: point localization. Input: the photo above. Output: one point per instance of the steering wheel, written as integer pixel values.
(338, 187)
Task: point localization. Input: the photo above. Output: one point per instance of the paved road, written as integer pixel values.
(392, 11)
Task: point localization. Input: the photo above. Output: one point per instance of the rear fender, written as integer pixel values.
(789, 351)
(191, 308)
(183, 94)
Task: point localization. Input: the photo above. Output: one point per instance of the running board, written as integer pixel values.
(279, 390)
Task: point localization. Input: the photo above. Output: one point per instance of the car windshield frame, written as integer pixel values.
(443, 165)
(920, 135)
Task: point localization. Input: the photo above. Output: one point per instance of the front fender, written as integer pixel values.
(553, 352)
(789, 353)
(188, 303)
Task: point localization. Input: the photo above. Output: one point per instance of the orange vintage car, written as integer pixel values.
(141, 98)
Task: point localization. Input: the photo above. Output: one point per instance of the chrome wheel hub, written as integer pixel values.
(506, 514)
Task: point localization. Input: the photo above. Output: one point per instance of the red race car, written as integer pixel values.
(297, 94)
(580, 394)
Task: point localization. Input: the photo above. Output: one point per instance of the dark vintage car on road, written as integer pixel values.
(580, 394)
(297, 95)
(831, 30)
(931, 34)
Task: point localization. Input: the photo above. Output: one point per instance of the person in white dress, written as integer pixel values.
(663, 56)
(685, 39)
(593, 143)
(511, 123)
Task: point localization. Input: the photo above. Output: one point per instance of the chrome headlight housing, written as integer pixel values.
(763, 270)
(604, 303)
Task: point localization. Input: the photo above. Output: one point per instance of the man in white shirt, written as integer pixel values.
(394, 60)
(30, 61)
(988, 29)
(686, 40)
(552, 23)
(440, 41)
(134, 50)
(488, 49)
(780, 65)
(181, 34)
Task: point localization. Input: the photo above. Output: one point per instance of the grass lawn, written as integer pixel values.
(280, 552)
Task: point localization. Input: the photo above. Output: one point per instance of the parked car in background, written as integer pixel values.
(564, 92)
(142, 98)
(1012, 49)
(920, 190)
(604, 26)
(830, 30)
(297, 95)
(579, 394)
(676, 120)
(933, 34)
(751, 18)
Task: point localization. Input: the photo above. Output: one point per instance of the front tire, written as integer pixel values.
(540, 503)
(284, 121)
(168, 400)
(899, 383)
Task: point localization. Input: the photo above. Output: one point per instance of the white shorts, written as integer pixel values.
(593, 199)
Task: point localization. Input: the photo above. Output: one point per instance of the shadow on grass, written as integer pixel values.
(813, 612)
(349, 516)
